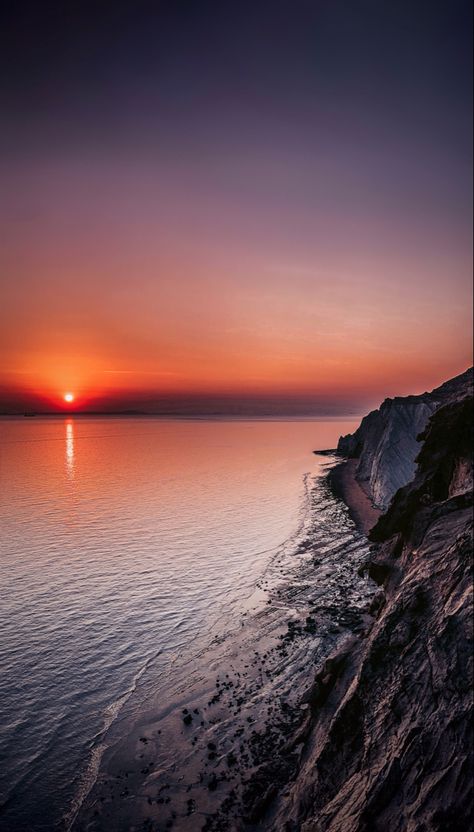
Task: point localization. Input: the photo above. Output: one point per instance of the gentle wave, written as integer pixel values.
(122, 556)
(89, 776)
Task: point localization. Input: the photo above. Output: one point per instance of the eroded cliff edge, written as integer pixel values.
(390, 743)
(387, 442)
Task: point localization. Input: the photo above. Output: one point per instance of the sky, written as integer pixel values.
(207, 204)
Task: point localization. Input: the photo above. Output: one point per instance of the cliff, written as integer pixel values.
(387, 442)
(390, 745)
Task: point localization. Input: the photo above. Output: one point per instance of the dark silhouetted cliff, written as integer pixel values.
(390, 745)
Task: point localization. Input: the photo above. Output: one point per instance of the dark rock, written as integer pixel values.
(379, 571)
(391, 744)
(212, 784)
(327, 452)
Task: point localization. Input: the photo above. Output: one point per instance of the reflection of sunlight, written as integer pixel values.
(70, 448)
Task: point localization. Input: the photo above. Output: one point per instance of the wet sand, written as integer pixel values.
(344, 484)
(228, 738)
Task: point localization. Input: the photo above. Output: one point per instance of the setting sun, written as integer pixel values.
(69, 397)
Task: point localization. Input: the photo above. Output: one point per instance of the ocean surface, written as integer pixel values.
(127, 545)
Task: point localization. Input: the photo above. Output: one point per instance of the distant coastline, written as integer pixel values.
(178, 414)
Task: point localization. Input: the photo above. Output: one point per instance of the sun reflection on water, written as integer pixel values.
(70, 448)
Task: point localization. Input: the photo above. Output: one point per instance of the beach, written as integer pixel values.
(344, 484)
(232, 736)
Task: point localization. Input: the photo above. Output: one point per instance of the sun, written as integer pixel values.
(69, 397)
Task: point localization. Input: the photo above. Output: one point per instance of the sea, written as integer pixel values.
(127, 545)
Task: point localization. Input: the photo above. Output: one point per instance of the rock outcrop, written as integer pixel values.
(387, 441)
(391, 746)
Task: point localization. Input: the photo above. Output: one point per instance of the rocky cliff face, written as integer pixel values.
(386, 443)
(390, 745)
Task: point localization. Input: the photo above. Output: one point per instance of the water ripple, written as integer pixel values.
(125, 550)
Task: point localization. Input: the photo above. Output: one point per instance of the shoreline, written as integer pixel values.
(233, 734)
(344, 485)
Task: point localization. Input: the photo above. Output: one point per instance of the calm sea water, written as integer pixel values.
(127, 544)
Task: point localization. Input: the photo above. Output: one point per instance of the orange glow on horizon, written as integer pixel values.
(119, 324)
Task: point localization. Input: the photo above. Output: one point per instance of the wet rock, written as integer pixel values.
(212, 783)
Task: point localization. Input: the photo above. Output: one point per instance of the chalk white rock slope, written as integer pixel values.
(386, 443)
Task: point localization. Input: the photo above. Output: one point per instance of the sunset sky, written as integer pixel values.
(230, 201)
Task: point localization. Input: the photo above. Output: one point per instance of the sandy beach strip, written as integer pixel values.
(344, 485)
